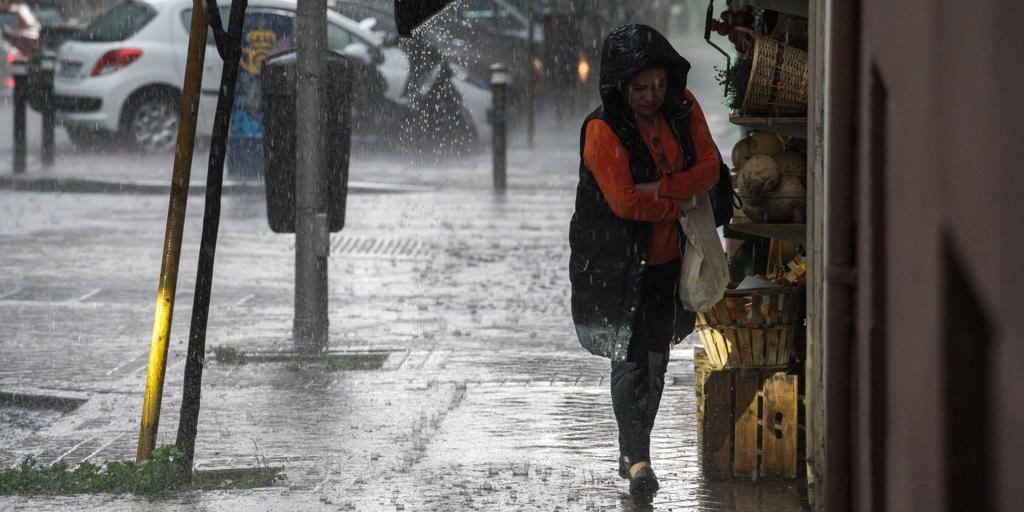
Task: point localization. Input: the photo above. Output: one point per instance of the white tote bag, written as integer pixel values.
(705, 273)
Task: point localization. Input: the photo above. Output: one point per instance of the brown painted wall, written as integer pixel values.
(947, 175)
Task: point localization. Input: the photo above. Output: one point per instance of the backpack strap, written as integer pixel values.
(723, 196)
(686, 143)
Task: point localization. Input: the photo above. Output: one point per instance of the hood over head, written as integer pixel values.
(630, 49)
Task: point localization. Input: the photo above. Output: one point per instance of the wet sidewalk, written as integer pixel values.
(482, 400)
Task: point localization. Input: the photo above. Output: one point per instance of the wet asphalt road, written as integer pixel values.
(484, 401)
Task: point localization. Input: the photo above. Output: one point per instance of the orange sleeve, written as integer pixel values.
(607, 159)
(705, 171)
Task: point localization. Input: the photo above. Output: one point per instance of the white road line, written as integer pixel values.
(11, 293)
(245, 299)
(98, 450)
(89, 295)
(58, 459)
(177, 364)
(126, 363)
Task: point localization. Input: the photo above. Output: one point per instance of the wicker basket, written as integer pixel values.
(752, 328)
(778, 80)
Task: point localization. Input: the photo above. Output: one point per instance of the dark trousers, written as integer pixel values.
(638, 382)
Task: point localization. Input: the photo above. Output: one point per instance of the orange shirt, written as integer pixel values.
(606, 158)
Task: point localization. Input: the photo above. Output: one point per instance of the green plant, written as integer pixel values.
(354, 362)
(734, 80)
(159, 473)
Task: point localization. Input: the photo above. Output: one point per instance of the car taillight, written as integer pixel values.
(115, 60)
(13, 54)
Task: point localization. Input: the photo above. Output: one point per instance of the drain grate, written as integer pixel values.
(394, 248)
(380, 247)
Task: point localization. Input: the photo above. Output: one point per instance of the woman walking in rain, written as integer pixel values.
(645, 151)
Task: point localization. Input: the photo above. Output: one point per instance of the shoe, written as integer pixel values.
(644, 483)
(623, 467)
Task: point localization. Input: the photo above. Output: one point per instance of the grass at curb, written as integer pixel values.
(229, 355)
(159, 474)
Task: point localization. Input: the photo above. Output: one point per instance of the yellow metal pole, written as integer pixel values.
(175, 225)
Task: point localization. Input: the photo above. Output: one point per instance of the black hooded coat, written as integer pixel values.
(607, 251)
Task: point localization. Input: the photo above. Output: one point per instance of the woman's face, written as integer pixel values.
(645, 92)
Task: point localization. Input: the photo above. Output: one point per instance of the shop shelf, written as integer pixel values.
(791, 126)
(790, 232)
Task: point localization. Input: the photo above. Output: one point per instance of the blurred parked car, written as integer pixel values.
(381, 11)
(123, 74)
(55, 27)
(566, 39)
(50, 17)
(422, 52)
(472, 33)
(20, 27)
(8, 54)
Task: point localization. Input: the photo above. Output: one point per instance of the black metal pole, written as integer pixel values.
(499, 92)
(49, 109)
(229, 45)
(19, 69)
(531, 77)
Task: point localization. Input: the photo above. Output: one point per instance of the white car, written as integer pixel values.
(124, 72)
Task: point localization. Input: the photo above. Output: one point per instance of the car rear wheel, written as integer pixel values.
(150, 122)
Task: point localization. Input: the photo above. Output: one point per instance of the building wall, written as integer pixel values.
(938, 243)
(814, 419)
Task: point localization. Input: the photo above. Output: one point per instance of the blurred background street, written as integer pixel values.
(462, 385)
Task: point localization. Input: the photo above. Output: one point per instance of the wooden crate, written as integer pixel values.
(747, 421)
(752, 328)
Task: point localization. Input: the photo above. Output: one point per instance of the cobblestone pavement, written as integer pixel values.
(484, 401)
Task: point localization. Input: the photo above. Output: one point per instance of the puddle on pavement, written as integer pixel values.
(21, 415)
(765, 495)
(18, 423)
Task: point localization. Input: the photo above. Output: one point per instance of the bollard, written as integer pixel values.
(499, 92)
(19, 69)
(48, 111)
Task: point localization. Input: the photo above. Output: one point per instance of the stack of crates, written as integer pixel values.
(748, 421)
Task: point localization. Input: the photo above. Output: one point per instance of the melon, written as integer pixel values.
(741, 153)
(758, 177)
(786, 203)
(754, 211)
(791, 163)
(765, 143)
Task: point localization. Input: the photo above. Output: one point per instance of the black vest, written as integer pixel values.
(607, 251)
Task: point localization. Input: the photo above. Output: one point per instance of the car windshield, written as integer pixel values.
(118, 23)
(49, 17)
(8, 20)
